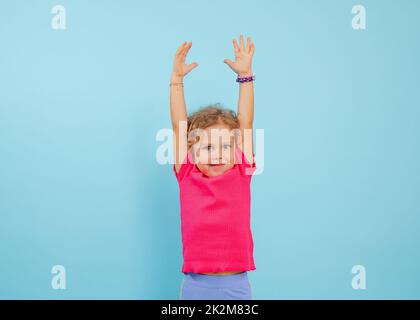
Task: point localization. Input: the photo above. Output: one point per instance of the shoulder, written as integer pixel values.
(246, 166)
(246, 151)
(182, 170)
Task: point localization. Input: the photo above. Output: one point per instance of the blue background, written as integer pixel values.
(80, 109)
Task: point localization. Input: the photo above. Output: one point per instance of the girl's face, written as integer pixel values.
(214, 153)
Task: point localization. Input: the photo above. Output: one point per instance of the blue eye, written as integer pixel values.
(226, 146)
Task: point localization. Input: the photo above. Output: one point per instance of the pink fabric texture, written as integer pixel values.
(215, 217)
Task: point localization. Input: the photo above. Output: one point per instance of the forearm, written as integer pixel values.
(177, 102)
(246, 105)
(179, 116)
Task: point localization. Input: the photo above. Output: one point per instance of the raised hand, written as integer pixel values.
(180, 68)
(243, 57)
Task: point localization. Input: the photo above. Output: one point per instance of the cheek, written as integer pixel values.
(229, 155)
(202, 156)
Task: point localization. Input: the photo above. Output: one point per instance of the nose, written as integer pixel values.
(217, 158)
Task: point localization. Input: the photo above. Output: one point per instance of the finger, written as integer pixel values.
(248, 44)
(252, 49)
(241, 42)
(187, 48)
(184, 47)
(228, 62)
(235, 45)
(180, 48)
(191, 66)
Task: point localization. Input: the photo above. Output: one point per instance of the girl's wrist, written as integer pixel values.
(245, 77)
(176, 78)
(245, 74)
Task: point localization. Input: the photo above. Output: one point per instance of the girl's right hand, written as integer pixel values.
(180, 69)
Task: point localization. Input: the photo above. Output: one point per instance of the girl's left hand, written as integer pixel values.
(243, 57)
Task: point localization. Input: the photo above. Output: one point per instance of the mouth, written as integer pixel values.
(216, 165)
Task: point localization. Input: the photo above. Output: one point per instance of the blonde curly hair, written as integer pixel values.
(208, 116)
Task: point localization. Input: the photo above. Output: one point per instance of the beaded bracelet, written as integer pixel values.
(245, 79)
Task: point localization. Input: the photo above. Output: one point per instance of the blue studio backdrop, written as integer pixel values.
(80, 108)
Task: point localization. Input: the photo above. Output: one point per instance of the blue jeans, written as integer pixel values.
(197, 286)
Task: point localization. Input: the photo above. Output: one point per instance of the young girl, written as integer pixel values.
(214, 162)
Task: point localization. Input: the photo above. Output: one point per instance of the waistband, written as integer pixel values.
(217, 280)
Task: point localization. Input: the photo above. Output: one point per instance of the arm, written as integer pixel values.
(243, 67)
(179, 115)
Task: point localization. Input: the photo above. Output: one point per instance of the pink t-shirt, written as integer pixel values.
(215, 217)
